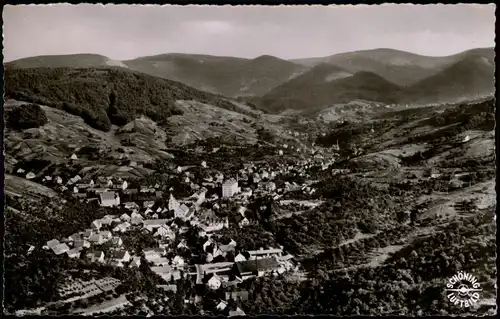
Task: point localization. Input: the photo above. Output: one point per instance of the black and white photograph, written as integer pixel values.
(291, 160)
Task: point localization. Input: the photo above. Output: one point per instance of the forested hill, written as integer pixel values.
(105, 96)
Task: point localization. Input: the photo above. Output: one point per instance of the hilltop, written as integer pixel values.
(65, 61)
(472, 76)
(401, 67)
(225, 75)
(327, 84)
(272, 84)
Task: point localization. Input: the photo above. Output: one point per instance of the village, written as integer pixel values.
(215, 261)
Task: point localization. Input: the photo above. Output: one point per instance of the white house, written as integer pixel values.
(181, 211)
(125, 217)
(215, 282)
(165, 231)
(74, 157)
(229, 188)
(124, 185)
(178, 261)
(74, 253)
(109, 199)
(123, 227)
(96, 224)
(60, 249)
(151, 224)
(173, 204)
(97, 256)
(30, 175)
(204, 164)
(136, 262)
(221, 305)
(239, 257)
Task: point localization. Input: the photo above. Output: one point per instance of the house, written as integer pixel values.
(239, 257)
(59, 180)
(167, 273)
(131, 205)
(117, 241)
(125, 217)
(20, 171)
(109, 199)
(173, 204)
(97, 239)
(235, 295)
(230, 188)
(97, 256)
(148, 204)
(121, 256)
(237, 312)
(151, 224)
(30, 175)
(257, 267)
(74, 157)
(74, 237)
(136, 262)
(124, 185)
(199, 196)
(221, 305)
(181, 211)
(204, 164)
(178, 261)
(153, 255)
(60, 249)
(106, 234)
(74, 253)
(88, 232)
(123, 227)
(81, 243)
(52, 243)
(165, 231)
(136, 220)
(265, 253)
(214, 282)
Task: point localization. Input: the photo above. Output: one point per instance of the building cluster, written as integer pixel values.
(144, 208)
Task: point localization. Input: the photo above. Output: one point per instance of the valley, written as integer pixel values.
(320, 185)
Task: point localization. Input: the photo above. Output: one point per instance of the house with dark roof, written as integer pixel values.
(257, 267)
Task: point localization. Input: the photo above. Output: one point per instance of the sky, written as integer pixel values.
(123, 32)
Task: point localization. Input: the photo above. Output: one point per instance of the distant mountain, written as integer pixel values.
(65, 61)
(327, 84)
(471, 77)
(106, 96)
(225, 75)
(402, 68)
